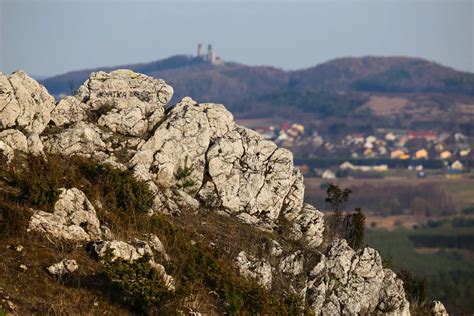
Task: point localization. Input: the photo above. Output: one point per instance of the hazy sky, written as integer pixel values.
(50, 37)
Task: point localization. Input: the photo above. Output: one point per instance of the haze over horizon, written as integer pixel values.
(52, 37)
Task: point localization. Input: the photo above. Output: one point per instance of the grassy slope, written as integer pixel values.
(206, 279)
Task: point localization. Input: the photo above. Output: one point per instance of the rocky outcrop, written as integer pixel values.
(231, 166)
(73, 218)
(354, 282)
(307, 225)
(191, 155)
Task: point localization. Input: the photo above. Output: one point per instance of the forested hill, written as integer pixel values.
(337, 87)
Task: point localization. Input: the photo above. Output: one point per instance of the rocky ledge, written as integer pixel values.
(192, 156)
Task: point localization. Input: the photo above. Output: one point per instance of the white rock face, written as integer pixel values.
(69, 110)
(233, 166)
(11, 140)
(350, 282)
(251, 175)
(308, 225)
(74, 218)
(63, 267)
(259, 270)
(82, 138)
(182, 140)
(24, 103)
(130, 103)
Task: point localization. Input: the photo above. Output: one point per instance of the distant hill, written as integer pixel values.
(336, 89)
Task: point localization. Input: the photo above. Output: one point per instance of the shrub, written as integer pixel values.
(13, 219)
(118, 188)
(415, 288)
(36, 180)
(183, 177)
(139, 283)
(354, 229)
(336, 199)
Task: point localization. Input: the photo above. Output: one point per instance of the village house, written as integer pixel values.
(421, 154)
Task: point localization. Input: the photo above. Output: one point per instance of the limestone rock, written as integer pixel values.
(259, 270)
(14, 139)
(80, 139)
(293, 264)
(392, 294)
(308, 225)
(6, 152)
(121, 250)
(437, 309)
(156, 245)
(275, 248)
(250, 175)
(168, 280)
(353, 282)
(69, 110)
(24, 103)
(74, 218)
(63, 267)
(181, 141)
(11, 140)
(128, 102)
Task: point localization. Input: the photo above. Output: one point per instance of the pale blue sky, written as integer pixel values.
(50, 36)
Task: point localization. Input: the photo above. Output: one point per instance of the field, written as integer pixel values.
(400, 196)
(449, 271)
(424, 225)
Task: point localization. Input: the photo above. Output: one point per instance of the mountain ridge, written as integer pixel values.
(331, 94)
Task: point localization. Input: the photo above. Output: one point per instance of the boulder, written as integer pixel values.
(24, 103)
(251, 175)
(259, 270)
(74, 218)
(69, 110)
(308, 225)
(82, 138)
(121, 250)
(63, 267)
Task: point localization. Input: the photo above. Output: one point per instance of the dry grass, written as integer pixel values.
(385, 106)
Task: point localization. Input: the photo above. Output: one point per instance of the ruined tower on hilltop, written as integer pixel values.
(210, 57)
(199, 50)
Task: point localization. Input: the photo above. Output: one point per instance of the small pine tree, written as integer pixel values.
(355, 229)
(183, 177)
(336, 199)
